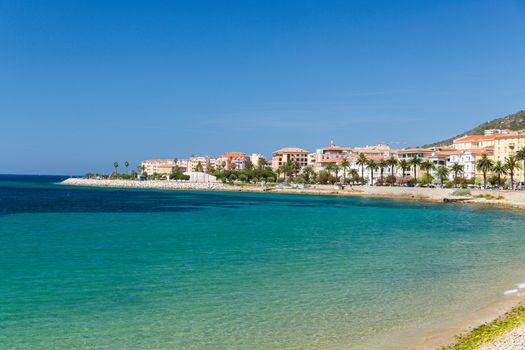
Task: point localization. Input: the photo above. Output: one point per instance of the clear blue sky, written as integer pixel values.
(86, 83)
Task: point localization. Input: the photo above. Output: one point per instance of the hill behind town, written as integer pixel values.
(515, 121)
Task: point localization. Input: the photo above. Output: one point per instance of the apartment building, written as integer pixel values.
(204, 161)
(285, 155)
(233, 160)
(163, 166)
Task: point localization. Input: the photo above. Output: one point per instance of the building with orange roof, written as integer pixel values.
(506, 145)
(474, 141)
(233, 160)
(330, 152)
(288, 154)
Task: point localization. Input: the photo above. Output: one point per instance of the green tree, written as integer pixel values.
(456, 168)
(520, 155)
(498, 169)
(404, 165)
(210, 169)
(415, 162)
(392, 163)
(308, 174)
(484, 164)
(382, 164)
(427, 166)
(345, 164)
(262, 163)
(511, 164)
(372, 165)
(362, 162)
(332, 168)
(199, 168)
(354, 175)
(126, 165)
(115, 165)
(442, 173)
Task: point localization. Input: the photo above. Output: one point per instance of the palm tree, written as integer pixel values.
(126, 164)
(115, 165)
(279, 171)
(520, 155)
(354, 174)
(382, 164)
(484, 164)
(403, 164)
(332, 168)
(456, 168)
(372, 165)
(293, 168)
(345, 164)
(392, 162)
(262, 163)
(427, 165)
(308, 173)
(442, 172)
(499, 169)
(362, 161)
(415, 162)
(511, 163)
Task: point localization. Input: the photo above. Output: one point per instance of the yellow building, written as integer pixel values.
(507, 145)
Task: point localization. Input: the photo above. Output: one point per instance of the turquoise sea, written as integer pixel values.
(85, 268)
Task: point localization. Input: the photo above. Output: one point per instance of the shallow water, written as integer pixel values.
(98, 268)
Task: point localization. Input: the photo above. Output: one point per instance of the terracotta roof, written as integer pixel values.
(470, 138)
(412, 150)
(336, 148)
(233, 155)
(370, 150)
(480, 151)
(509, 136)
(446, 153)
(291, 150)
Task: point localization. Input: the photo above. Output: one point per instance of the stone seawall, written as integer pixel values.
(168, 185)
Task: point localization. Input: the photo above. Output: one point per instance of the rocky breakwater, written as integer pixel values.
(165, 185)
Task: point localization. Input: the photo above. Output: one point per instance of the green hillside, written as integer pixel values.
(515, 121)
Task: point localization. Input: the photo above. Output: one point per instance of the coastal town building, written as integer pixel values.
(375, 151)
(256, 158)
(285, 155)
(331, 152)
(163, 166)
(468, 159)
(474, 141)
(195, 163)
(233, 160)
(506, 145)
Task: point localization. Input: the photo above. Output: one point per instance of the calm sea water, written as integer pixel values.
(88, 268)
